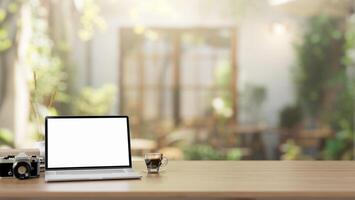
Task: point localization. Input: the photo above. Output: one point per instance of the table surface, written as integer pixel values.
(245, 179)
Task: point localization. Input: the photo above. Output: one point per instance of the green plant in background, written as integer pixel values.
(6, 138)
(322, 83)
(44, 57)
(48, 82)
(9, 31)
(223, 104)
(47, 56)
(90, 19)
(341, 146)
(94, 101)
(290, 120)
(48, 77)
(319, 75)
(201, 152)
(8, 10)
(290, 117)
(291, 151)
(234, 154)
(206, 152)
(252, 98)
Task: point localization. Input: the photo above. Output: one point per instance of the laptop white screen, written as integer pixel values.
(87, 142)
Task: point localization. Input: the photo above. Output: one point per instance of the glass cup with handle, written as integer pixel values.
(155, 161)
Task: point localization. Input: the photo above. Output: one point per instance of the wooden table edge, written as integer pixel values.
(175, 194)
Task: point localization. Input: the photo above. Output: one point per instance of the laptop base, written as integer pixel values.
(87, 175)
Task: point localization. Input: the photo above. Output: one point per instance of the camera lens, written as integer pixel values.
(22, 170)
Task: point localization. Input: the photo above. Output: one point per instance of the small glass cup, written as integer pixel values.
(155, 161)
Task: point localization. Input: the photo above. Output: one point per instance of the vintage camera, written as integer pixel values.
(21, 166)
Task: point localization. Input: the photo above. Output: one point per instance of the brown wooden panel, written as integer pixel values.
(202, 179)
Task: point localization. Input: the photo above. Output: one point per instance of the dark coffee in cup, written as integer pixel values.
(154, 161)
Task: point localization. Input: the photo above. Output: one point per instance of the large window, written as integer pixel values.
(173, 75)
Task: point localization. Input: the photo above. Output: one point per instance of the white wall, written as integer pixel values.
(265, 58)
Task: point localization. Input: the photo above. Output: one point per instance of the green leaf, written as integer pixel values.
(13, 7)
(337, 34)
(3, 33)
(5, 44)
(6, 137)
(2, 14)
(234, 154)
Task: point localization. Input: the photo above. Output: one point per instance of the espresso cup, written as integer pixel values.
(155, 161)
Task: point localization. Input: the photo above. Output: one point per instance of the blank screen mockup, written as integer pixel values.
(87, 142)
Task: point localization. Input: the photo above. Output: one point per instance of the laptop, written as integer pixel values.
(88, 148)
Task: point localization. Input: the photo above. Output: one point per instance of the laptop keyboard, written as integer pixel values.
(114, 171)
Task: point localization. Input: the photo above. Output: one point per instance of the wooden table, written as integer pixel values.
(200, 179)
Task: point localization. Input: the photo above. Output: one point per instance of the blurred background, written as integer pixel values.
(199, 79)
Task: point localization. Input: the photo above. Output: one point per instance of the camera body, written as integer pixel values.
(20, 166)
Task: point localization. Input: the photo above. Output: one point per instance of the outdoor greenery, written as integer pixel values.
(201, 152)
(341, 146)
(319, 75)
(6, 138)
(222, 103)
(291, 151)
(8, 14)
(324, 98)
(206, 152)
(90, 20)
(48, 82)
(46, 58)
(252, 99)
(290, 117)
(92, 101)
(36, 38)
